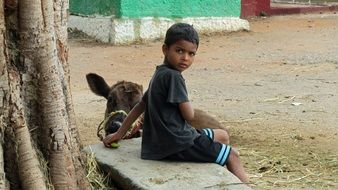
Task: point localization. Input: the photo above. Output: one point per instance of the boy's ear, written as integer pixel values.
(164, 49)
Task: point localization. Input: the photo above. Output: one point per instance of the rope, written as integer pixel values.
(104, 122)
(135, 127)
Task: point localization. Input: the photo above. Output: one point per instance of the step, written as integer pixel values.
(129, 171)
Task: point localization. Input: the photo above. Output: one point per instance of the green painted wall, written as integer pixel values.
(157, 8)
(95, 7)
(180, 8)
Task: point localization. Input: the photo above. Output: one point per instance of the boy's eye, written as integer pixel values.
(192, 54)
(179, 51)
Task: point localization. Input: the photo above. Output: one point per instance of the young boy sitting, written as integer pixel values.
(166, 107)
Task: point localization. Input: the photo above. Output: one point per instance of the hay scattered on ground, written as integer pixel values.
(44, 168)
(98, 180)
(279, 170)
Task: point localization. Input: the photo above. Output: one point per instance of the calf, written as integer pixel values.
(123, 96)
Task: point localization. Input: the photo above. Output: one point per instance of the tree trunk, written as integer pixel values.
(3, 96)
(37, 114)
(60, 22)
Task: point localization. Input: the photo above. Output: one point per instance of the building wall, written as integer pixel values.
(157, 8)
(128, 21)
(180, 9)
(251, 8)
(95, 7)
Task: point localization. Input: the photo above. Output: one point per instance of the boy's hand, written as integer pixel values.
(114, 137)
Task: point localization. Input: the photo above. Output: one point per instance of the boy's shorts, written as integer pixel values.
(205, 149)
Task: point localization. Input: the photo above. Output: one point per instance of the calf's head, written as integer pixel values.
(121, 98)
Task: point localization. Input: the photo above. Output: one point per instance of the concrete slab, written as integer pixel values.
(129, 171)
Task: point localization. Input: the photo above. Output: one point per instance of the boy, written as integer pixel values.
(166, 133)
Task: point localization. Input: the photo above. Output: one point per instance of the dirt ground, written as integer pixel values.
(274, 86)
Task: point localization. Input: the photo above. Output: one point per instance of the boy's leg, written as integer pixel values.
(233, 163)
(221, 135)
(205, 149)
(218, 135)
(235, 166)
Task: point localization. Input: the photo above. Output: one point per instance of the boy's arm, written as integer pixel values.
(187, 110)
(128, 121)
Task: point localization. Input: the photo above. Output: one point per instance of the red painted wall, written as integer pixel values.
(252, 8)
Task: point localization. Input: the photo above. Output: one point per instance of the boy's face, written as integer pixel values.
(180, 55)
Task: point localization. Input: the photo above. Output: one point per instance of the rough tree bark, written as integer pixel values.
(37, 117)
(3, 96)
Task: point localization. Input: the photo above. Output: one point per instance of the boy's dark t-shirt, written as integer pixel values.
(165, 131)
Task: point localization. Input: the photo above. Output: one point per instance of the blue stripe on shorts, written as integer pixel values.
(223, 155)
(209, 133)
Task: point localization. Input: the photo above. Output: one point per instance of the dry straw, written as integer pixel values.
(284, 171)
(95, 175)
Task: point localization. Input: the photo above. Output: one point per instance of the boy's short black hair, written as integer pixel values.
(181, 31)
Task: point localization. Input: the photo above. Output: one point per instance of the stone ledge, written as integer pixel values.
(125, 31)
(129, 171)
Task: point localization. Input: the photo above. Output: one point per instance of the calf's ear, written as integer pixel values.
(98, 85)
